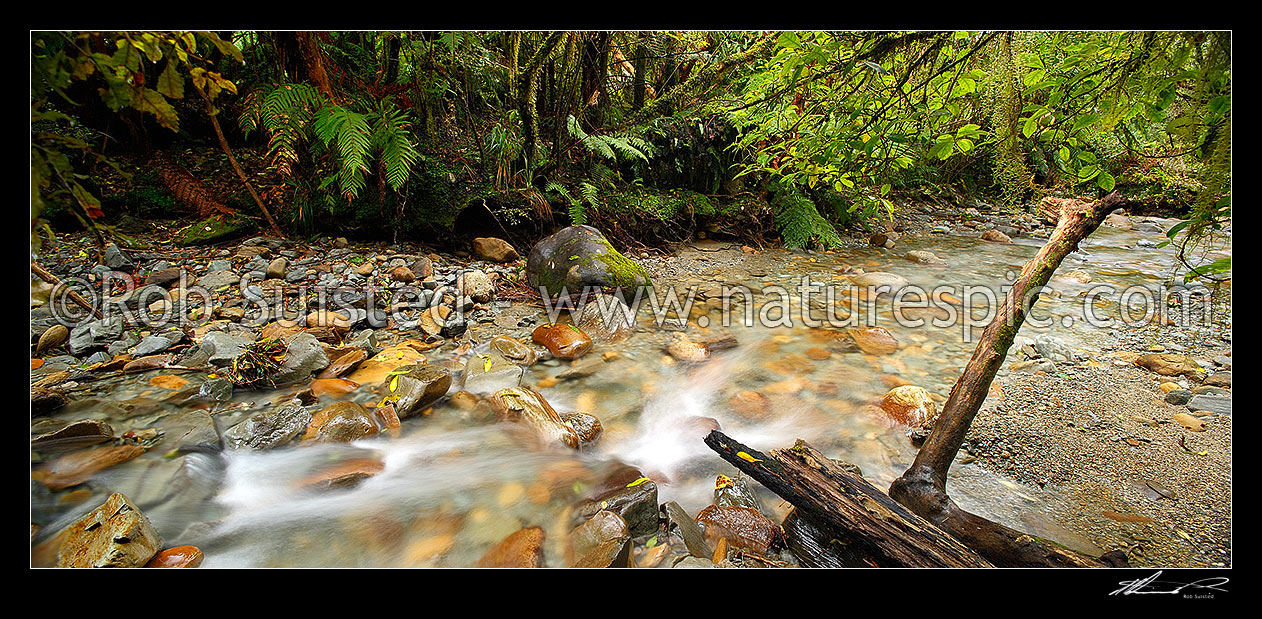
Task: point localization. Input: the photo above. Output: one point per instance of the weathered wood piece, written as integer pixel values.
(856, 512)
(923, 487)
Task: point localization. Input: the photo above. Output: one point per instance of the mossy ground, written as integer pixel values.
(213, 230)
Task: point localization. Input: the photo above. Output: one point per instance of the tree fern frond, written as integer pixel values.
(350, 133)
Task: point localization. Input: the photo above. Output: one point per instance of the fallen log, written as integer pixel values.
(78, 299)
(923, 486)
(856, 513)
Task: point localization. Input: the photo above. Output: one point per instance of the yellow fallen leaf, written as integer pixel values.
(638, 482)
(746, 457)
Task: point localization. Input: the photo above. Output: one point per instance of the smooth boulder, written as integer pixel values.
(580, 256)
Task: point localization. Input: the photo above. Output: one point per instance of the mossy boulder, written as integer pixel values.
(213, 230)
(580, 256)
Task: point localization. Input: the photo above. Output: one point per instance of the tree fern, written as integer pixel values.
(290, 114)
(350, 134)
(390, 138)
(283, 112)
(610, 146)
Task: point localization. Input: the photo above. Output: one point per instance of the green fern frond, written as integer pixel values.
(390, 137)
(800, 223)
(350, 133)
(610, 146)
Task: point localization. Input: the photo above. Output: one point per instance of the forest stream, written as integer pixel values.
(448, 484)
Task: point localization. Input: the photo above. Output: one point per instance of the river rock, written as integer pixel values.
(387, 360)
(78, 434)
(742, 527)
(1178, 397)
(341, 422)
(995, 236)
(874, 340)
(344, 363)
(95, 335)
(1170, 364)
(490, 372)
(163, 278)
(923, 257)
(588, 428)
(224, 347)
(910, 405)
(1218, 379)
(1118, 220)
(728, 491)
(493, 249)
(304, 356)
(1053, 349)
(476, 285)
(190, 431)
(564, 341)
(602, 541)
(528, 407)
(680, 523)
(687, 351)
(580, 256)
(116, 534)
(77, 467)
(178, 557)
(151, 362)
(116, 259)
(153, 344)
(750, 404)
(216, 280)
(277, 268)
(268, 429)
(514, 350)
(402, 274)
(1217, 404)
(523, 548)
(606, 319)
(878, 279)
(628, 493)
(421, 386)
(52, 337)
(45, 401)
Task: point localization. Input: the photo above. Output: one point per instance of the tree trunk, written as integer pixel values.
(392, 58)
(854, 512)
(313, 58)
(923, 487)
(223, 143)
(637, 96)
(528, 87)
(700, 81)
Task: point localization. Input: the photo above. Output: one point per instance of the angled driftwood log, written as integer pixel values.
(856, 513)
(923, 487)
(907, 526)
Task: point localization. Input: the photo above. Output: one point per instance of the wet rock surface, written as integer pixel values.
(581, 256)
(116, 534)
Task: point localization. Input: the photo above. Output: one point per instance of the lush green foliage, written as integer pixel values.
(122, 70)
(371, 131)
